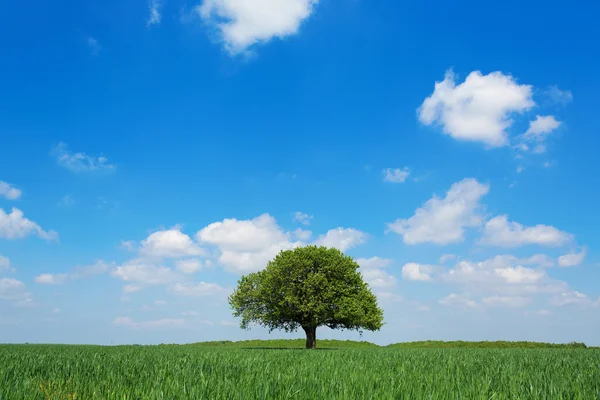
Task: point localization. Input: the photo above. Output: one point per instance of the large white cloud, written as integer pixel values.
(479, 109)
(503, 233)
(243, 23)
(8, 191)
(16, 226)
(443, 220)
(246, 245)
(139, 272)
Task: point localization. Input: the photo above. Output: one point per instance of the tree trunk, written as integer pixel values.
(311, 336)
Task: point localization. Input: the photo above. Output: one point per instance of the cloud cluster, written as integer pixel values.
(98, 268)
(478, 109)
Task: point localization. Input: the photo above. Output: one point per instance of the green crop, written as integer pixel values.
(195, 372)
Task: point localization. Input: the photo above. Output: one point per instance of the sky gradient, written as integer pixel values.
(154, 152)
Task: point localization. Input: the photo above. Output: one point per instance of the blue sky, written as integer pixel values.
(153, 152)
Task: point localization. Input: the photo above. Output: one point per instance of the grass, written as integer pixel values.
(202, 372)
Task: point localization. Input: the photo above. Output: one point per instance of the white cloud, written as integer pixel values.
(201, 289)
(416, 272)
(443, 221)
(506, 301)
(573, 259)
(478, 109)
(189, 266)
(520, 274)
(154, 9)
(4, 264)
(246, 245)
(396, 175)
(141, 273)
(161, 323)
(98, 268)
(500, 232)
(8, 191)
(16, 226)
(302, 235)
(373, 274)
(171, 243)
(342, 238)
(541, 126)
(80, 162)
(243, 23)
(453, 300)
(373, 262)
(190, 314)
(302, 218)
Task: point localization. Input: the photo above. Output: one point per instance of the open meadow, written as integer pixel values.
(226, 371)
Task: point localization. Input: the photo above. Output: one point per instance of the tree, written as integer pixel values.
(306, 288)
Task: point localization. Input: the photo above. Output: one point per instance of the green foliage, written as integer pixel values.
(36, 372)
(290, 344)
(307, 287)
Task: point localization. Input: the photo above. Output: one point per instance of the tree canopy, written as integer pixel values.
(306, 288)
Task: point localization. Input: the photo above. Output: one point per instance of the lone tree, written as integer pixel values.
(307, 287)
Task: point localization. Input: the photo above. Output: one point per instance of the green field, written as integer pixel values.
(232, 372)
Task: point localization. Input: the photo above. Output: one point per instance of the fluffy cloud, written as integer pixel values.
(454, 300)
(81, 162)
(520, 274)
(9, 192)
(342, 238)
(201, 289)
(155, 17)
(302, 235)
(16, 226)
(396, 175)
(303, 218)
(246, 245)
(77, 273)
(573, 259)
(140, 273)
(541, 126)
(171, 243)
(416, 272)
(443, 221)
(478, 109)
(500, 232)
(161, 323)
(189, 266)
(243, 23)
(373, 273)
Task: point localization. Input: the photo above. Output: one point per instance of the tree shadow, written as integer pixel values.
(287, 348)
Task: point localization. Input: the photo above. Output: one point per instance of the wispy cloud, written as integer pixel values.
(154, 7)
(80, 162)
(8, 191)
